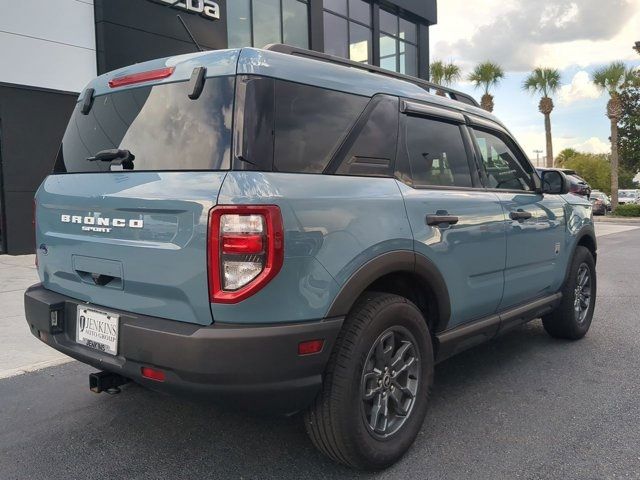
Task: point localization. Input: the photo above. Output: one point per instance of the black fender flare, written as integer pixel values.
(398, 261)
(589, 232)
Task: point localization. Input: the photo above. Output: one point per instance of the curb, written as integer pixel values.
(618, 220)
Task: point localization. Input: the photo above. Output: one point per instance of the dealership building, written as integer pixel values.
(50, 49)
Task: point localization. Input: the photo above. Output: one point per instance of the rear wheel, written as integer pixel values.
(375, 390)
(572, 318)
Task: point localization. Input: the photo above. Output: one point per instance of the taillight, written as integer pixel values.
(246, 250)
(140, 77)
(35, 238)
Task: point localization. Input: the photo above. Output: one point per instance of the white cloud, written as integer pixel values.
(521, 34)
(593, 145)
(532, 138)
(580, 88)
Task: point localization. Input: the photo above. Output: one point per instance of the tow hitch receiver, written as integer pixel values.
(106, 382)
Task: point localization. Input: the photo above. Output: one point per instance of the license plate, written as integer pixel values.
(97, 329)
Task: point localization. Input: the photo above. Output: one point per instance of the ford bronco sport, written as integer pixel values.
(295, 232)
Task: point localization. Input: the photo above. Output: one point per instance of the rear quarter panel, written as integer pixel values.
(333, 225)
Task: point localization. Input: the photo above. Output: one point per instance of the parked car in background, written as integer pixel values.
(626, 197)
(600, 201)
(577, 184)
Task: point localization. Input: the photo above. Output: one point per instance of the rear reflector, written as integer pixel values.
(141, 77)
(310, 346)
(152, 374)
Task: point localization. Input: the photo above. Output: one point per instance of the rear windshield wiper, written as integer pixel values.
(119, 157)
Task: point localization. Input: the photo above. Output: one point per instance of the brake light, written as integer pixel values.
(245, 248)
(35, 233)
(141, 77)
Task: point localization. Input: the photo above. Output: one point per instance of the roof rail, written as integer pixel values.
(324, 57)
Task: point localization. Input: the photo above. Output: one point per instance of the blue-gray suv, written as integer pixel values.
(289, 231)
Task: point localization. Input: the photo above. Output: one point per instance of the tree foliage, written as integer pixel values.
(544, 81)
(444, 73)
(566, 155)
(596, 170)
(629, 139)
(486, 75)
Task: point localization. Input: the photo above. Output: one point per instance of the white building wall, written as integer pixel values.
(47, 43)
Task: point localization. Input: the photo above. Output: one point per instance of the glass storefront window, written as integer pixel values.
(360, 11)
(239, 23)
(295, 23)
(398, 44)
(260, 22)
(388, 52)
(347, 29)
(359, 43)
(337, 6)
(335, 35)
(266, 24)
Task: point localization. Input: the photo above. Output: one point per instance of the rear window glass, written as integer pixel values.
(310, 123)
(159, 125)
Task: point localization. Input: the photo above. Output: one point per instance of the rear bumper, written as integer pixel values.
(253, 367)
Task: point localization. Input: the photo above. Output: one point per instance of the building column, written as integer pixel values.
(375, 29)
(423, 51)
(316, 25)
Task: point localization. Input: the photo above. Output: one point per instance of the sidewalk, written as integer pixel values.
(618, 220)
(21, 352)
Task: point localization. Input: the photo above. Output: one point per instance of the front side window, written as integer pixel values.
(436, 153)
(503, 168)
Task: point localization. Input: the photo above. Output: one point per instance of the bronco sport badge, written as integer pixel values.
(101, 224)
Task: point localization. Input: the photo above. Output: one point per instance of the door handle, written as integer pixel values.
(437, 219)
(520, 215)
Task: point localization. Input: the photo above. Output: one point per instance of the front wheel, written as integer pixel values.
(572, 318)
(374, 395)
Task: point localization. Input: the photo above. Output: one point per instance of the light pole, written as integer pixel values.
(537, 152)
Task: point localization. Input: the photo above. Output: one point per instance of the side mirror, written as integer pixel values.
(554, 182)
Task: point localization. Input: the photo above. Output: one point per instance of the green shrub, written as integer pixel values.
(627, 211)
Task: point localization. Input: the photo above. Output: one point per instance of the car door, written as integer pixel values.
(535, 223)
(456, 225)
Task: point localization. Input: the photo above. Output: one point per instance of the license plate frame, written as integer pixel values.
(98, 329)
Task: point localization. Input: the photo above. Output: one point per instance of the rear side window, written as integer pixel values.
(160, 125)
(310, 124)
(371, 148)
(436, 153)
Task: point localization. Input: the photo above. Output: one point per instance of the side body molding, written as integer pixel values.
(399, 261)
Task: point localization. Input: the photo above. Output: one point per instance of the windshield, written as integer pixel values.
(160, 126)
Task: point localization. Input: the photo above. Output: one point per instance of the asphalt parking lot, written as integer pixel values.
(523, 406)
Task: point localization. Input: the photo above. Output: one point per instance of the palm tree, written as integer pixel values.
(445, 74)
(545, 81)
(612, 79)
(487, 75)
(565, 155)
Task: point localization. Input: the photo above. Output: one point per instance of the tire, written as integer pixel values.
(566, 321)
(340, 423)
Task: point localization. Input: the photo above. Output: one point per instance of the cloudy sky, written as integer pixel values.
(575, 36)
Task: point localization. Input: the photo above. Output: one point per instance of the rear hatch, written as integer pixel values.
(130, 233)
